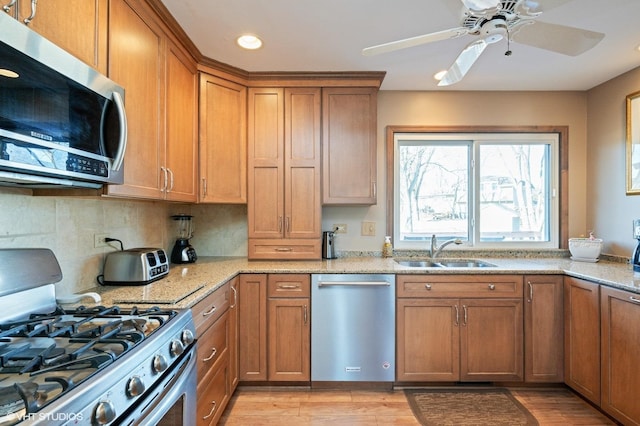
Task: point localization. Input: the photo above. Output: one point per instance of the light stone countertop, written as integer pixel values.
(189, 283)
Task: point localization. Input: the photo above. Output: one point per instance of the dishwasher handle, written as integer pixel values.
(353, 283)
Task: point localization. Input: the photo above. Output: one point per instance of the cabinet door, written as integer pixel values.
(543, 329)
(582, 337)
(266, 163)
(302, 204)
(181, 127)
(491, 340)
(78, 26)
(253, 327)
(234, 319)
(223, 141)
(428, 347)
(138, 67)
(349, 142)
(620, 354)
(289, 340)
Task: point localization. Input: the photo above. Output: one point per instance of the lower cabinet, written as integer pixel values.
(620, 328)
(213, 317)
(543, 329)
(582, 337)
(274, 324)
(441, 337)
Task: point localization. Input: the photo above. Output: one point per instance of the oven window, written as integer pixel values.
(175, 415)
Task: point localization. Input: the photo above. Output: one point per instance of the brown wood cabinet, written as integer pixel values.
(215, 331)
(223, 141)
(284, 208)
(161, 101)
(620, 354)
(78, 26)
(289, 338)
(252, 336)
(234, 320)
(274, 327)
(467, 328)
(349, 144)
(582, 337)
(543, 328)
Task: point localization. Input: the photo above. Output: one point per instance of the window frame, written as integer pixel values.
(460, 132)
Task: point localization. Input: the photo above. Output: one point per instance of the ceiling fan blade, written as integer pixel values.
(414, 41)
(480, 4)
(557, 38)
(463, 62)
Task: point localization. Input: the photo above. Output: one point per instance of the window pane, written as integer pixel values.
(513, 192)
(434, 185)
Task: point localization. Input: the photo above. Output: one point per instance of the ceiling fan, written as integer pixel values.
(490, 21)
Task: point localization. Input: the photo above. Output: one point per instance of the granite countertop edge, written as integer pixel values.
(187, 284)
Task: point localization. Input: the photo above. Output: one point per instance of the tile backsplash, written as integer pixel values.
(67, 226)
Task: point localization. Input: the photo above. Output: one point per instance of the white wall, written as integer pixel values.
(471, 108)
(609, 210)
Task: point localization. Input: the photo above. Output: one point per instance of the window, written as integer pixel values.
(491, 190)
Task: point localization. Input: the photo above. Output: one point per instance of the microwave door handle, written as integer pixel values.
(122, 143)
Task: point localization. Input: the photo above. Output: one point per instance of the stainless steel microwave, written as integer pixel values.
(61, 121)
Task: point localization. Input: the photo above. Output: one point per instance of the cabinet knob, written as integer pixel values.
(427, 286)
(492, 286)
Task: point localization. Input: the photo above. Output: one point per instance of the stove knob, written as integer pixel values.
(187, 337)
(135, 386)
(159, 363)
(176, 348)
(105, 413)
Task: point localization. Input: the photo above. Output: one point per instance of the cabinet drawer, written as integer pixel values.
(213, 345)
(213, 396)
(285, 249)
(494, 286)
(289, 285)
(209, 309)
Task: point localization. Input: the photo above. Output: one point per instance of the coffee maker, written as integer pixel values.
(635, 260)
(182, 251)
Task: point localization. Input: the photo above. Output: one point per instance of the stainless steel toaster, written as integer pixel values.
(136, 266)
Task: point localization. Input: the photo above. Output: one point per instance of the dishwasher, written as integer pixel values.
(353, 327)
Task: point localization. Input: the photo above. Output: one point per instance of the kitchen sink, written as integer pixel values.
(444, 263)
(465, 263)
(418, 263)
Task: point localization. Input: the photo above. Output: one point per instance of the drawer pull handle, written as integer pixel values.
(213, 410)
(288, 286)
(284, 249)
(492, 286)
(214, 351)
(209, 312)
(306, 315)
(634, 299)
(427, 286)
(457, 315)
(464, 308)
(530, 292)
(235, 297)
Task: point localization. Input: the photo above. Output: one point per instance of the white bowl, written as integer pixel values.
(585, 248)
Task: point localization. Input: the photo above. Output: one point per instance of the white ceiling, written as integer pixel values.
(328, 35)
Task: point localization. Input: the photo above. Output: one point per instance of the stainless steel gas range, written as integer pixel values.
(88, 365)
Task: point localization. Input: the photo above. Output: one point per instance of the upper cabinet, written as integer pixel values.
(223, 141)
(78, 26)
(349, 124)
(284, 173)
(160, 84)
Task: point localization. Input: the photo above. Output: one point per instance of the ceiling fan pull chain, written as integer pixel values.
(508, 52)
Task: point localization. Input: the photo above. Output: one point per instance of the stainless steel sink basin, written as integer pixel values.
(444, 263)
(418, 263)
(465, 263)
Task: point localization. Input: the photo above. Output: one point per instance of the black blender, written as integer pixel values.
(635, 260)
(182, 251)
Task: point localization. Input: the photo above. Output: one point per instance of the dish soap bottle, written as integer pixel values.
(387, 248)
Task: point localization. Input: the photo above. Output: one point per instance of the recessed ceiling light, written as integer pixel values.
(249, 42)
(8, 73)
(439, 75)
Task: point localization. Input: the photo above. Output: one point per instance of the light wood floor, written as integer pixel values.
(272, 406)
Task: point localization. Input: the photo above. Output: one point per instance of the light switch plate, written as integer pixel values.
(368, 229)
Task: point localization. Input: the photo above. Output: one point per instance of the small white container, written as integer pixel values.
(585, 249)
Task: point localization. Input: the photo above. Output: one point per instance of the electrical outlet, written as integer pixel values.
(368, 229)
(98, 240)
(340, 228)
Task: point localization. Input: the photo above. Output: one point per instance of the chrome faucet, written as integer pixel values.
(435, 250)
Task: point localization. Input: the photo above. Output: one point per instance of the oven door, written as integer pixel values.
(173, 401)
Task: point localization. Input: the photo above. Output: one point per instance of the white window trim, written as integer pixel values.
(476, 139)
